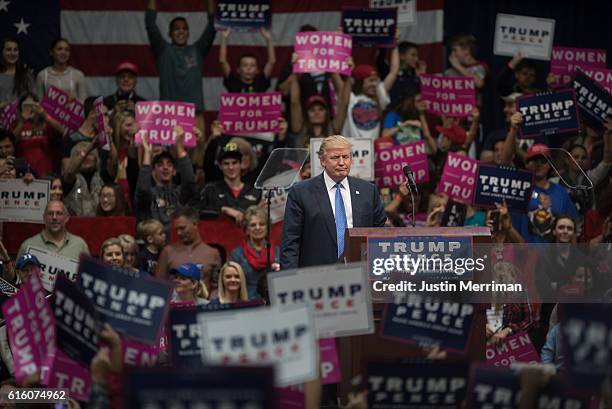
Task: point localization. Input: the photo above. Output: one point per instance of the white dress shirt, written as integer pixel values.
(330, 185)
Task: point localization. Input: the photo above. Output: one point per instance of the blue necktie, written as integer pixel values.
(341, 224)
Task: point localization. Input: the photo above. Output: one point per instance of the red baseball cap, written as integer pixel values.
(127, 66)
(363, 71)
(538, 149)
(316, 99)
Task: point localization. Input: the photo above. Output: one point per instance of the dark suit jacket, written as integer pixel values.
(309, 227)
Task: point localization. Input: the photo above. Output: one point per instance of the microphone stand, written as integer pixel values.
(409, 185)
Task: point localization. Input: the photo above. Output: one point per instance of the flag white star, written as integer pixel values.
(4, 5)
(22, 27)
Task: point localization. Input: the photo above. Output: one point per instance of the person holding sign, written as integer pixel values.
(35, 134)
(61, 74)
(320, 209)
(159, 199)
(247, 78)
(230, 196)
(368, 99)
(315, 121)
(180, 65)
(408, 123)
(464, 63)
(519, 75)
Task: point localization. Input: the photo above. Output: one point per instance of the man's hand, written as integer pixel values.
(516, 120)
(421, 67)
(237, 215)
(100, 366)
(475, 114)
(226, 33)
(265, 33)
(552, 79)
(517, 58)
(454, 61)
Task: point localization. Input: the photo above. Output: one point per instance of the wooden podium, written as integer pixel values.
(354, 352)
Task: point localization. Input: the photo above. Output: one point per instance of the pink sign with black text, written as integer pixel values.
(458, 178)
(450, 96)
(565, 60)
(30, 327)
(390, 162)
(322, 51)
(8, 115)
(515, 348)
(64, 373)
(69, 113)
(157, 120)
(250, 113)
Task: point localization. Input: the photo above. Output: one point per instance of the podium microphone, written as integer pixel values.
(410, 176)
(412, 188)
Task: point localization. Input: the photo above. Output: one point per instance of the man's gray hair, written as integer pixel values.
(334, 142)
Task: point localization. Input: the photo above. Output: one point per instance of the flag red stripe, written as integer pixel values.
(101, 60)
(278, 6)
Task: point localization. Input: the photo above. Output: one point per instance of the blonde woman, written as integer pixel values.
(130, 251)
(232, 284)
(188, 288)
(111, 252)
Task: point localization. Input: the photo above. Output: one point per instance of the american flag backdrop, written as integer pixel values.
(104, 33)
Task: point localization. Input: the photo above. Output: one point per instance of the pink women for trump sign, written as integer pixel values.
(250, 113)
(390, 163)
(458, 178)
(453, 96)
(322, 51)
(565, 60)
(157, 120)
(68, 112)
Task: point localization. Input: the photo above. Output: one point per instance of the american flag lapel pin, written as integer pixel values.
(356, 192)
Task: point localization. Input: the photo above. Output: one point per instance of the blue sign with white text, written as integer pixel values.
(549, 113)
(429, 323)
(370, 27)
(439, 385)
(76, 320)
(437, 257)
(594, 101)
(495, 388)
(243, 15)
(211, 387)
(586, 334)
(499, 184)
(133, 305)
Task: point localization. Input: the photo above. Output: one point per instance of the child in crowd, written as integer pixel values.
(407, 83)
(151, 233)
(463, 62)
(247, 78)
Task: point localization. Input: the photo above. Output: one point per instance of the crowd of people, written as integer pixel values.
(174, 187)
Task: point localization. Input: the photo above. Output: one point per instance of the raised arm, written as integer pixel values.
(343, 99)
(267, 35)
(394, 68)
(226, 69)
(509, 148)
(297, 116)
(431, 145)
(76, 161)
(205, 42)
(155, 37)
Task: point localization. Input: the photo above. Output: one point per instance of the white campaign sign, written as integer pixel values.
(363, 158)
(339, 297)
(52, 264)
(530, 36)
(263, 336)
(21, 202)
(277, 206)
(406, 9)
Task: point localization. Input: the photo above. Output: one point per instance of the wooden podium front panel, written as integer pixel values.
(354, 352)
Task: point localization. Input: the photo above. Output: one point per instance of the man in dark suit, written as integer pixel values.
(319, 210)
